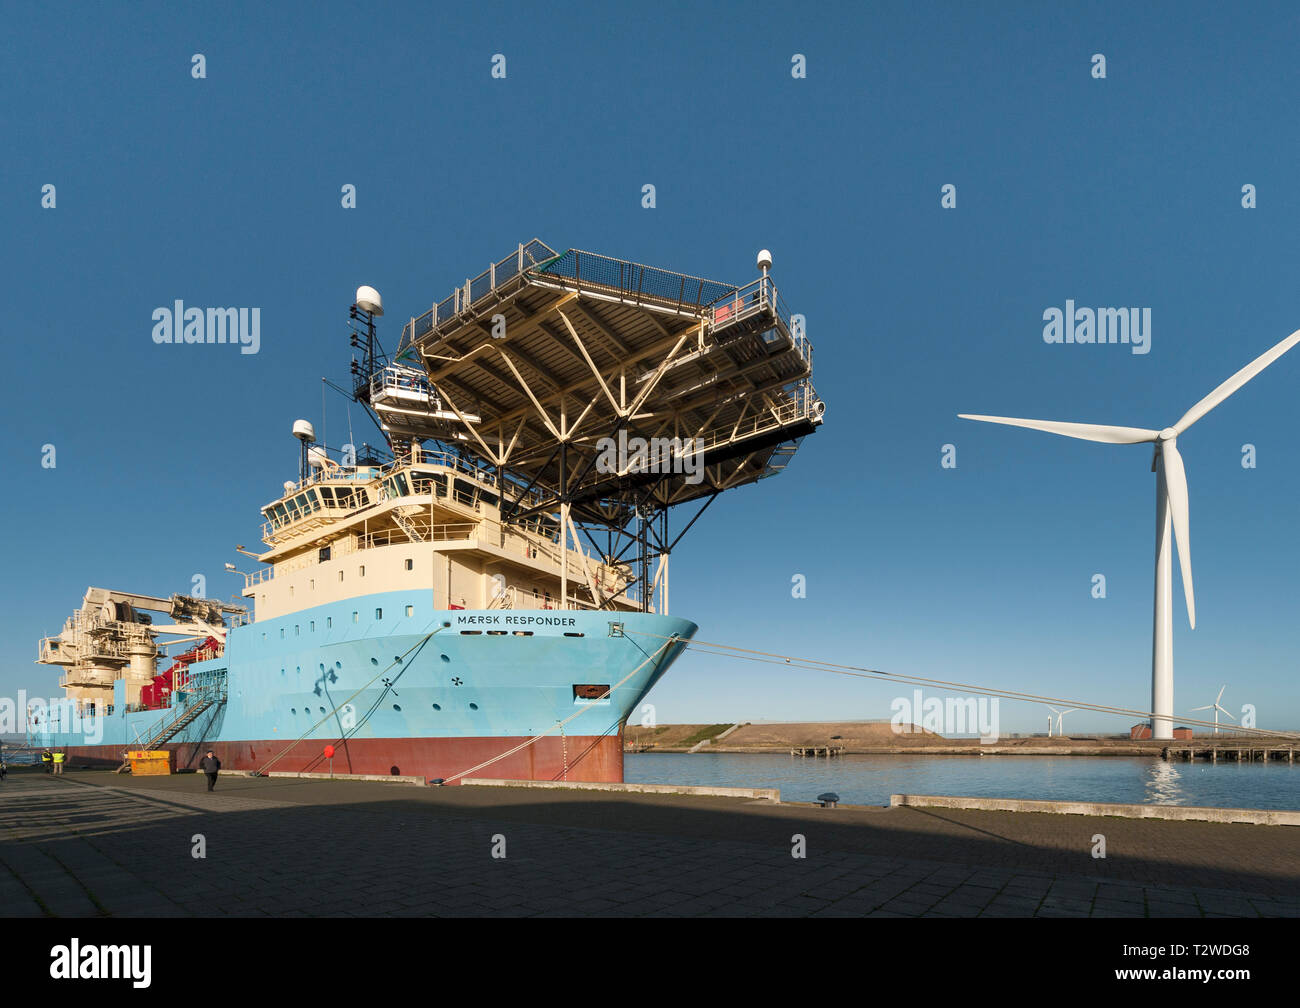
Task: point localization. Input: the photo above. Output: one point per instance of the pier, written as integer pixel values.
(71, 846)
(827, 751)
(1231, 751)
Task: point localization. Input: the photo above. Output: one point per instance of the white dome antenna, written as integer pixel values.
(368, 300)
(306, 433)
(764, 261)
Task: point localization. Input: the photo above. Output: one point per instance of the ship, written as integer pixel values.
(485, 594)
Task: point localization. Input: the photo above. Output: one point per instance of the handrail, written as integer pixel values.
(466, 295)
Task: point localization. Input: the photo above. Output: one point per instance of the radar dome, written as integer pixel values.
(303, 430)
(368, 299)
(764, 259)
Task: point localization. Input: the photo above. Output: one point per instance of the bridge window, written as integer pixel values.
(379, 614)
(410, 564)
(410, 611)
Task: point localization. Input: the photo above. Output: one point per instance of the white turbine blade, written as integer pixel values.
(1235, 382)
(1220, 696)
(1176, 485)
(1070, 711)
(1226, 714)
(1082, 431)
(1208, 707)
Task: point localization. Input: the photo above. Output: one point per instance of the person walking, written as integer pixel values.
(59, 757)
(210, 765)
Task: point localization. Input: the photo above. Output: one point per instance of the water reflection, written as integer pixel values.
(1164, 784)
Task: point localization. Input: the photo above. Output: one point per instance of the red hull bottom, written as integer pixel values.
(574, 758)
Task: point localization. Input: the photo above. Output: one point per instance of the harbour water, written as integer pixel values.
(870, 780)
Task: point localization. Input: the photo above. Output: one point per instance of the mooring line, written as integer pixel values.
(396, 661)
(817, 665)
(668, 641)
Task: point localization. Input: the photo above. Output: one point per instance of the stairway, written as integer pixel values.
(172, 730)
(406, 525)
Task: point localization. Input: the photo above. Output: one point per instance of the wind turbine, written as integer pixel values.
(1059, 715)
(1171, 509)
(1217, 709)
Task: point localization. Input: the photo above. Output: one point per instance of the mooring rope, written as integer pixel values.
(817, 665)
(337, 707)
(668, 641)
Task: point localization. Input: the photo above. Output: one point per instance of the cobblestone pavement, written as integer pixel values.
(95, 844)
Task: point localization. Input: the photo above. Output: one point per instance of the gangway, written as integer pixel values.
(209, 691)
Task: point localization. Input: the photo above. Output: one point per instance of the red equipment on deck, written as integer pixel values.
(158, 693)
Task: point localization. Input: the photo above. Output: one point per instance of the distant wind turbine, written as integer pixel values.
(1171, 508)
(1217, 709)
(1059, 716)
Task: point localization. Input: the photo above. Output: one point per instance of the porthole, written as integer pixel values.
(437, 707)
(470, 633)
(374, 661)
(473, 706)
(397, 660)
(568, 634)
(397, 707)
(444, 658)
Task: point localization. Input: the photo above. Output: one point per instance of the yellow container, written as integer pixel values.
(152, 763)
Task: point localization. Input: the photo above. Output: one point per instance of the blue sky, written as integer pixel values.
(1124, 191)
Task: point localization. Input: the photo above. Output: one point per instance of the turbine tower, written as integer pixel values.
(1217, 709)
(1171, 511)
(1059, 715)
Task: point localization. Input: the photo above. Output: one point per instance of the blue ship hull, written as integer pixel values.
(399, 687)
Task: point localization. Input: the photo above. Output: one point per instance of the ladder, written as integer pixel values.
(406, 525)
(170, 731)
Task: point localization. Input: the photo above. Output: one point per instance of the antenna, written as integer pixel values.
(306, 434)
(367, 307)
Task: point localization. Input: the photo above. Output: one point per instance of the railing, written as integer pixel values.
(433, 533)
(397, 378)
(472, 291)
(635, 282)
(378, 474)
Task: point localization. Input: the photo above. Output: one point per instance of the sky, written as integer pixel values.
(1117, 191)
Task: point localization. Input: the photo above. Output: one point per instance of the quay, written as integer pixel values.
(91, 843)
